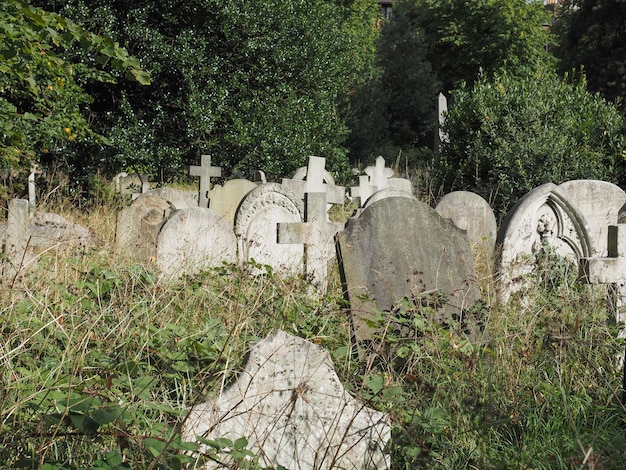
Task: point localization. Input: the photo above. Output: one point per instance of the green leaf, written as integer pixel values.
(374, 382)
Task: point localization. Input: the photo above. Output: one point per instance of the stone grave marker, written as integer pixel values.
(399, 247)
(316, 233)
(177, 198)
(544, 216)
(17, 237)
(133, 184)
(314, 178)
(225, 199)
(256, 227)
(378, 178)
(442, 109)
(599, 202)
(194, 239)
(470, 212)
(289, 404)
(205, 171)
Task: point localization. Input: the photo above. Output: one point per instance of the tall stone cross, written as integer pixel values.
(205, 171)
(318, 180)
(316, 233)
(612, 271)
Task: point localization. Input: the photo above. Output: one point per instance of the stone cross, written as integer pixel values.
(314, 183)
(379, 174)
(316, 233)
(611, 270)
(205, 171)
(363, 190)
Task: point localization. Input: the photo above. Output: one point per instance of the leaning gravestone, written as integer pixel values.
(289, 404)
(470, 212)
(192, 240)
(399, 247)
(256, 227)
(226, 199)
(600, 203)
(545, 216)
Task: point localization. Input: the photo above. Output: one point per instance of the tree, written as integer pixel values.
(255, 83)
(592, 36)
(42, 93)
(465, 38)
(510, 134)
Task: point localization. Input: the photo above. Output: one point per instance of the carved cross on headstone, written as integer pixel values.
(379, 174)
(205, 171)
(612, 271)
(318, 180)
(316, 233)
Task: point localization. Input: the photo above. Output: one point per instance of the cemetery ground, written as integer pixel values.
(100, 363)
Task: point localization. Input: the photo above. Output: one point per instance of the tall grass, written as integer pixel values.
(100, 361)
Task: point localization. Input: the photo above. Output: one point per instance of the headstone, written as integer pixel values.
(192, 240)
(470, 212)
(315, 179)
(399, 247)
(599, 202)
(133, 184)
(32, 192)
(177, 198)
(543, 216)
(17, 238)
(378, 178)
(442, 109)
(316, 233)
(138, 227)
(289, 404)
(256, 227)
(379, 174)
(225, 199)
(205, 171)
(48, 230)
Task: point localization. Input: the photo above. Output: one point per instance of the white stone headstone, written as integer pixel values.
(226, 199)
(290, 406)
(314, 178)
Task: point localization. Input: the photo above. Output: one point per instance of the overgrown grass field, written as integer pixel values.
(100, 361)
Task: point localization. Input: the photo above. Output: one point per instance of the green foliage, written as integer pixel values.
(491, 36)
(42, 93)
(591, 36)
(511, 134)
(256, 84)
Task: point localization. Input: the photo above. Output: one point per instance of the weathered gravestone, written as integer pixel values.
(378, 178)
(544, 217)
(314, 178)
(138, 225)
(399, 247)
(27, 236)
(192, 240)
(470, 212)
(133, 184)
(600, 203)
(205, 171)
(290, 406)
(226, 199)
(256, 227)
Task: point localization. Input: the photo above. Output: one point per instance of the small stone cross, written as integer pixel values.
(364, 190)
(314, 183)
(317, 235)
(205, 171)
(379, 175)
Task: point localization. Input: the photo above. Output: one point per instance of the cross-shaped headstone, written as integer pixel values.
(205, 171)
(379, 174)
(314, 183)
(316, 233)
(612, 271)
(364, 190)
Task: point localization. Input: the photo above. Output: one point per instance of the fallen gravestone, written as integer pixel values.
(256, 227)
(399, 247)
(192, 240)
(544, 217)
(290, 406)
(470, 212)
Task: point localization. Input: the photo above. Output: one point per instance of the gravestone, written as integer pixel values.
(316, 233)
(314, 178)
(289, 404)
(442, 109)
(133, 184)
(399, 247)
(205, 171)
(225, 199)
(138, 227)
(192, 240)
(470, 212)
(378, 178)
(256, 227)
(544, 216)
(17, 238)
(177, 198)
(600, 203)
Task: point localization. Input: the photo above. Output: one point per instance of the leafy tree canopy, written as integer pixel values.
(467, 37)
(255, 83)
(41, 93)
(592, 36)
(510, 134)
